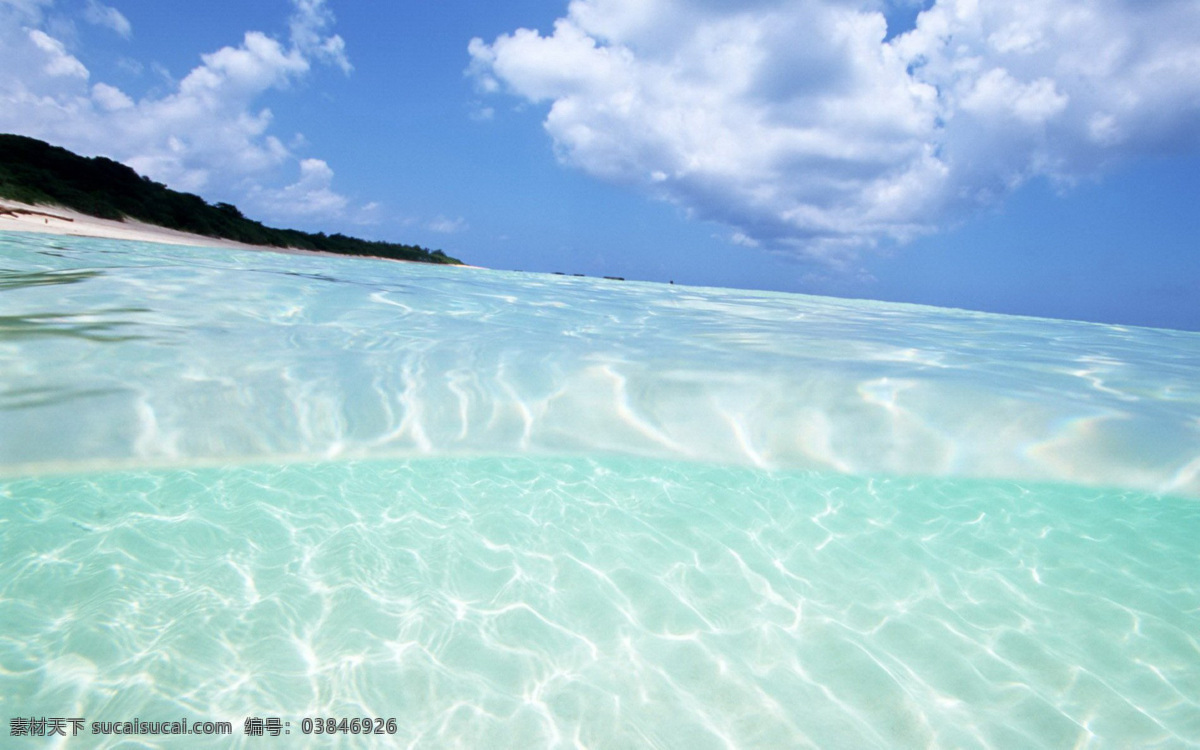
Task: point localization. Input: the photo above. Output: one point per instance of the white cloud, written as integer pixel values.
(259, 64)
(311, 195)
(57, 62)
(369, 213)
(25, 11)
(207, 133)
(446, 225)
(480, 113)
(307, 24)
(738, 238)
(102, 15)
(998, 95)
(800, 128)
(110, 98)
(130, 65)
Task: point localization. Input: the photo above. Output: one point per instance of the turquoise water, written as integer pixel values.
(522, 511)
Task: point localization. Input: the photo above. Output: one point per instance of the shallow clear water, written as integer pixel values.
(516, 510)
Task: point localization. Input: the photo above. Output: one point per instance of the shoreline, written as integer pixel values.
(16, 216)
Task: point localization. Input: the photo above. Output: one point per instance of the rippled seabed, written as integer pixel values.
(615, 603)
(520, 511)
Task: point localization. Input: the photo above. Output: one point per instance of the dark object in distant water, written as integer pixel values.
(32, 171)
(615, 278)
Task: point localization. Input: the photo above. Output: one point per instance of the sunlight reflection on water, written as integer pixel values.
(225, 355)
(514, 510)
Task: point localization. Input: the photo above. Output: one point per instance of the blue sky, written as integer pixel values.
(1036, 157)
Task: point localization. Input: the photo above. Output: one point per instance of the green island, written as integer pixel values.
(33, 171)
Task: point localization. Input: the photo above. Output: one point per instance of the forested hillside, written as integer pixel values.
(33, 171)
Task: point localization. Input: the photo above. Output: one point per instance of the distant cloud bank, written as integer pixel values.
(805, 127)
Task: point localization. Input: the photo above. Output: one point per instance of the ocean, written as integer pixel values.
(489, 509)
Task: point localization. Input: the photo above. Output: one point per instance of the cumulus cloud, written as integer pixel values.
(311, 195)
(56, 61)
(807, 127)
(110, 97)
(207, 132)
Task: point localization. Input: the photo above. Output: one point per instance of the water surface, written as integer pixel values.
(516, 510)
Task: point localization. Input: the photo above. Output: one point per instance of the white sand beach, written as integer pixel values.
(24, 217)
